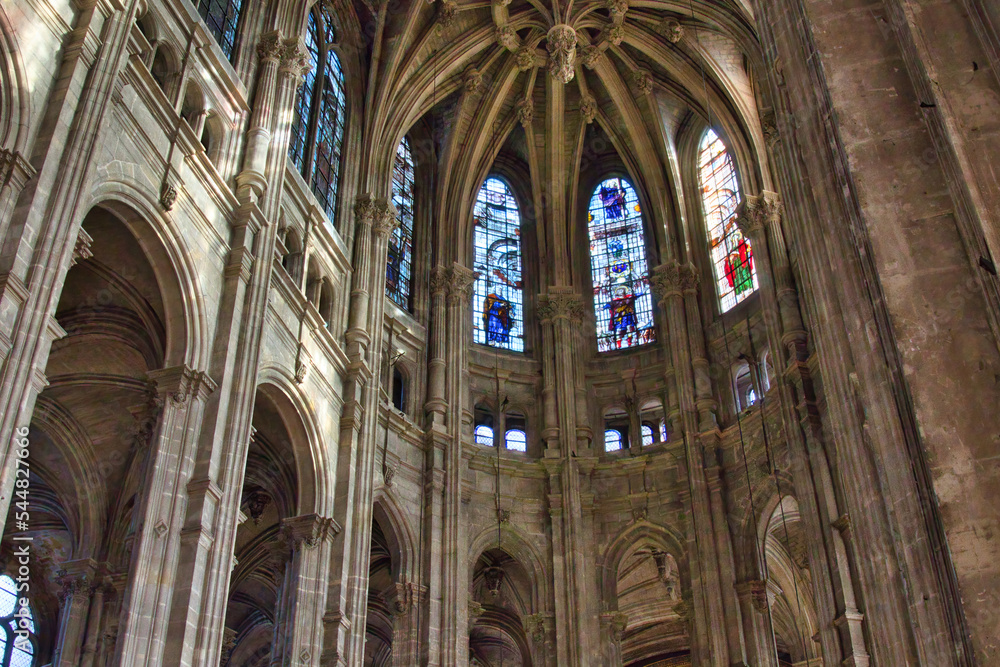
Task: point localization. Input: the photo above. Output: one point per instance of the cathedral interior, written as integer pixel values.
(499, 333)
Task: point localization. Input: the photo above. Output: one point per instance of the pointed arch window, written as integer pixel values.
(731, 254)
(317, 130)
(17, 627)
(497, 301)
(222, 18)
(399, 269)
(622, 300)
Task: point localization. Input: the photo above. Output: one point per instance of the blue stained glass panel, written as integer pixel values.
(497, 301)
(622, 300)
(222, 18)
(399, 266)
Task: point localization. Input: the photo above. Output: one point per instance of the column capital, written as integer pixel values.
(14, 168)
(616, 622)
(459, 280)
(536, 626)
(755, 591)
(404, 596)
(76, 578)
(269, 46)
(377, 212)
(756, 212)
(561, 303)
(672, 278)
(308, 530)
(179, 384)
(295, 61)
(81, 249)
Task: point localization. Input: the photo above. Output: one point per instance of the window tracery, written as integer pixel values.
(497, 302)
(731, 254)
(622, 300)
(399, 268)
(317, 128)
(222, 18)
(17, 647)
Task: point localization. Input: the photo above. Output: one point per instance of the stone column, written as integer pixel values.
(404, 602)
(454, 570)
(613, 626)
(347, 603)
(308, 541)
(76, 578)
(841, 634)
(181, 391)
(102, 590)
(754, 612)
(671, 281)
(568, 462)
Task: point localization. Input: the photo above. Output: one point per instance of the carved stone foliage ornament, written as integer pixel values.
(473, 81)
(673, 278)
(295, 60)
(617, 9)
(447, 9)
(269, 47)
(507, 38)
(308, 530)
(525, 58)
(757, 593)
(557, 305)
(525, 112)
(757, 212)
(377, 212)
(561, 41)
(672, 29)
(535, 627)
(643, 81)
(168, 197)
(588, 107)
(589, 56)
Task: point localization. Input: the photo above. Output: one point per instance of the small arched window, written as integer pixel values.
(317, 130)
(17, 636)
(484, 435)
(622, 300)
(612, 440)
(222, 18)
(399, 268)
(731, 255)
(497, 302)
(647, 435)
(398, 389)
(516, 440)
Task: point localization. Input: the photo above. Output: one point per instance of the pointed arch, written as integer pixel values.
(387, 512)
(498, 292)
(399, 267)
(729, 250)
(623, 302)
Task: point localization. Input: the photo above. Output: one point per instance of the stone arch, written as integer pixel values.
(520, 549)
(622, 545)
(129, 198)
(15, 104)
(396, 527)
(312, 474)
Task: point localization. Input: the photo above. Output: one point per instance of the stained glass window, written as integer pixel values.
(517, 440)
(222, 18)
(612, 440)
(497, 302)
(317, 129)
(732, 257)
(17, 627)
(647, 435)
(622, 300)
(399, 266)
(484, 435)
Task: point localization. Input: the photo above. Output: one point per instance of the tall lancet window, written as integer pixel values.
(497, 301)
(399, 269)
(622, 301)
(222, 18)
(732, 257)
(320, 110)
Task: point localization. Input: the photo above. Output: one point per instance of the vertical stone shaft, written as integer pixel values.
(669, 281)
(760, 646)
(215, 490)
(76, 579)
(454, 577)
(375, 219)
(841, 632)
